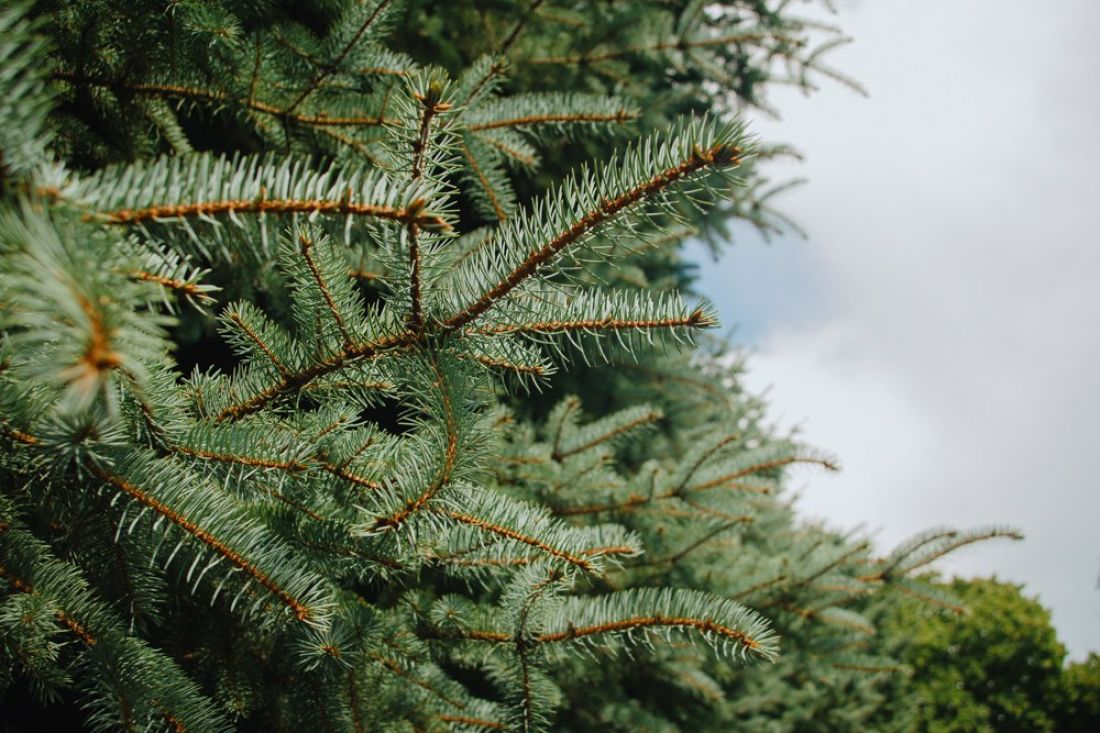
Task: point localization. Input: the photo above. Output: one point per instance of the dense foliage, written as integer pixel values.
(1080, 705)
(998, 667)
(345, 381)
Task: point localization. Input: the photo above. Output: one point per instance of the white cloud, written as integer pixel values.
(954, 219)
(911, 462)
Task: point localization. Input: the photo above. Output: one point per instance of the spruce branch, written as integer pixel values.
(865, 665)
(25, 102)
(448, 464)
(685, 43)
(480, 81)
(834, 560)
(469, 721)
(433, 104)
(513, 36)
(220, 98)
(725, 516)
(525, 112)
(510, 355)
(427, 677)
(18, 435)
(727, 626)
(84, 322)
(513, 146)
(293, 466)
(300, 379)
(675, 557)
(563, 419)
(646, 172)
(762, 585)
(518, 528)
(533, 596)
(698, 456)
(412, 215)
(148, 686)
(607, 430)
(258, 334)
(927, 593)
(201, 186)
(192, 291)
(724, 474)
(306, 244)
(478, 558)
(510, 534)
(564, 317)
(927, 547)
(500, 199)
(846, 619)
(298, 591)
(379, 328)
(697, 318)
(344, 474)
(330, 68)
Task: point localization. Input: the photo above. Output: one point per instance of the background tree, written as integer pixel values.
(998, 666)
(1080, 709)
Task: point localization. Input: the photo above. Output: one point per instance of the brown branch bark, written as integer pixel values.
(343, 207)
(561, 118)
(190, 290)
(305, 245)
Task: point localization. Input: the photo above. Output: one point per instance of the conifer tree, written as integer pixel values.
(345, 382)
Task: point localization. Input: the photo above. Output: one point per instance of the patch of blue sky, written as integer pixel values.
(759, 286)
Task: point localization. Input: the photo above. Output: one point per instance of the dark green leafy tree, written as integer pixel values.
(345, 382)
(996, 666)
(1080, 709)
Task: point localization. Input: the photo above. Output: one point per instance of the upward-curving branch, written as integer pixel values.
(645, 173)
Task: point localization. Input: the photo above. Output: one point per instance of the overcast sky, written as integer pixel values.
(940, 329)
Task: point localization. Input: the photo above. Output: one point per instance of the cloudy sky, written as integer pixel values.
(940, 329)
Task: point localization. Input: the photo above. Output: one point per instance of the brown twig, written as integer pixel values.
(550, 118)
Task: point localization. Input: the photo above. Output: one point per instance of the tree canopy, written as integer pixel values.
(998, 666)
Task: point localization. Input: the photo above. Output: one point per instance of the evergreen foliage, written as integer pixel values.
(345, 381)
